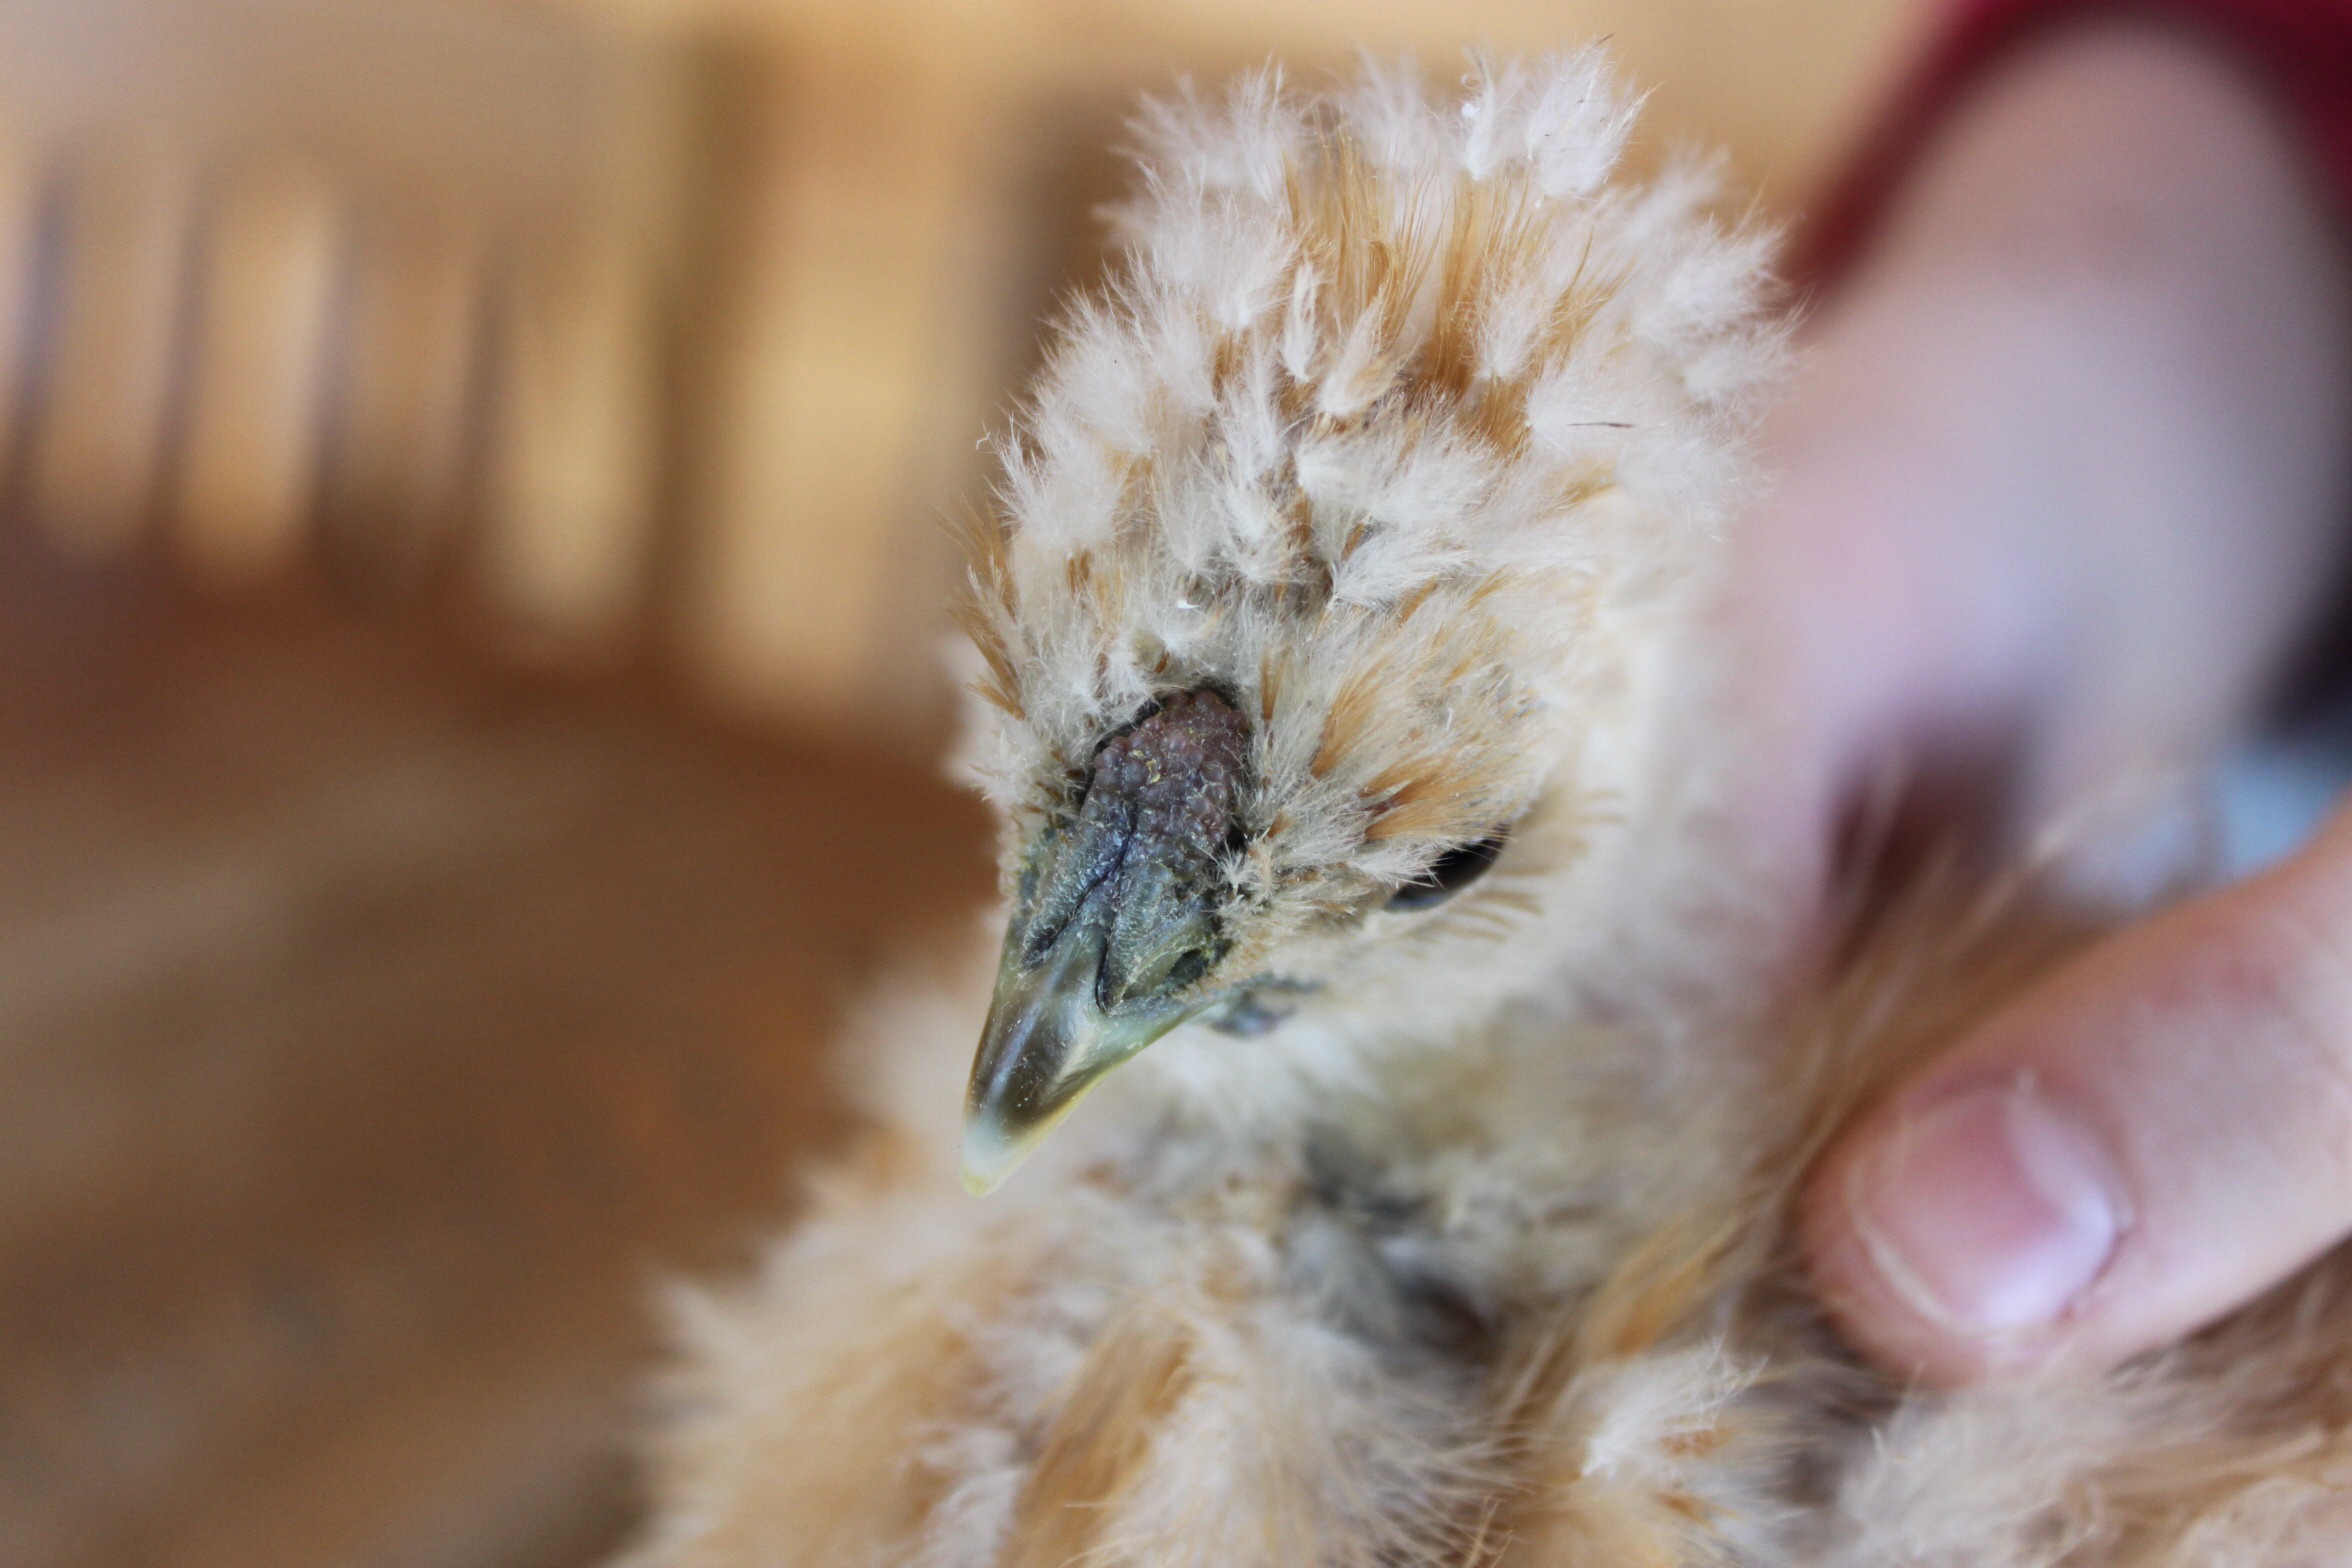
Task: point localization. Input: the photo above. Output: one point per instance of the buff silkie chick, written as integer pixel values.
(1383, 1009)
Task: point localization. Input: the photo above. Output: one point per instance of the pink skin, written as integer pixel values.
(2062, 480)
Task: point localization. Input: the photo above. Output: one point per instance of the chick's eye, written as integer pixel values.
(1453, 871)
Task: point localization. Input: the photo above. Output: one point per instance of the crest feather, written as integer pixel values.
(1393, 400)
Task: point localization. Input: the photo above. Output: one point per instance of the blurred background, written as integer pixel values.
(470, 592)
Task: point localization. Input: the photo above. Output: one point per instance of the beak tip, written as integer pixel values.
(989, 1156)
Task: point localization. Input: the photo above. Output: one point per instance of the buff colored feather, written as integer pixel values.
(1457, 1235)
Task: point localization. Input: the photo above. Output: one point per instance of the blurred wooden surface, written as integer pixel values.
(376, 1029)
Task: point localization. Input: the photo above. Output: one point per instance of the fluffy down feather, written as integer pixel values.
(1406, 426)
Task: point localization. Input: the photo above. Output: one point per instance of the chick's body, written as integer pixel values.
(1341, 689)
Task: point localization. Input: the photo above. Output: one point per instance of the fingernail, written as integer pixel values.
(1989, 1210)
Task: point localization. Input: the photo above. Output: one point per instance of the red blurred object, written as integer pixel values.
(2302, 47)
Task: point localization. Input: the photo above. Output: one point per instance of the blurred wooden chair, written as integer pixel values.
(385, 283)
(663, 325)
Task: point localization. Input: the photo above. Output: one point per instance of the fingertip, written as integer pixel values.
(1959, 1232)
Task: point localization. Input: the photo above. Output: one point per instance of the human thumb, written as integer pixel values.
(2145, 1141)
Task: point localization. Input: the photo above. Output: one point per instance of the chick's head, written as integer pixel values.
(1328, 548)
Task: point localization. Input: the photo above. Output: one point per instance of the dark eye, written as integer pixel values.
(1453, 871)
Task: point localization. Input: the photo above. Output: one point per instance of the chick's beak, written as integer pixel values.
(1049, 1039)
(1116, 933)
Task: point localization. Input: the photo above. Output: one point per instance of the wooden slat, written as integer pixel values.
(247, 479)
(852, 393)
(98, 435)
(402, 402)
(574, 458)
(20, 221)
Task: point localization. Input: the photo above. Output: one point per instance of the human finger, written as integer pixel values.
(2144, 1142)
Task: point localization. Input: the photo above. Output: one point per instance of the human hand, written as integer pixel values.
(2061, 483)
